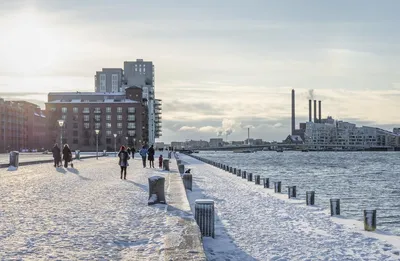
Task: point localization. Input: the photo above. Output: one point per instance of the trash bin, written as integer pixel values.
(166, 164)
(14, 159)
(78, 154)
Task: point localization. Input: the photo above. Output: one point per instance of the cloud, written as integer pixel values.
(277, 125)
(187, 128)
(209, 129)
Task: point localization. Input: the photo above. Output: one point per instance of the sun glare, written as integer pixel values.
(32, 44)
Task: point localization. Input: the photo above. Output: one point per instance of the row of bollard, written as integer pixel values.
(369, 215)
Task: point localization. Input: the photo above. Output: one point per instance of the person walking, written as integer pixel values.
(133, 152)
(128, 150)
(143, 153)
(67, 155)
(56, 155)
(123, 161)
(150, 157)
(160, 160)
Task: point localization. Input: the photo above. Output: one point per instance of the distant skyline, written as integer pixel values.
(217, 65)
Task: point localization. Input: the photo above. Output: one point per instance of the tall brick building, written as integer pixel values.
(123, 114)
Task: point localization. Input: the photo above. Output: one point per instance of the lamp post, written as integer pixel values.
(126, 141)
(61, 124)
(115, 144)
(97, 143)
(134, 143)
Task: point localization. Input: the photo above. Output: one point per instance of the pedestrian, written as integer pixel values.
(133, 152)
(123, 161)
(128, 150)
(160, 160)
(67, 155)
(150, 153)
(56, 155)
(143, 154)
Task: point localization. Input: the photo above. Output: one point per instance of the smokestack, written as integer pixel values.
(310, 110)
(293, 112)
(315, 111)
(319, 112)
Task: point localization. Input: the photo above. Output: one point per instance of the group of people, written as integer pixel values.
(66, 155)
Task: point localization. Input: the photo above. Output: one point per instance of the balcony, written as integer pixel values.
(85, 111)
(97, 111)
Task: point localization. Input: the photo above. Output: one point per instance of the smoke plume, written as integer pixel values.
(311, 95)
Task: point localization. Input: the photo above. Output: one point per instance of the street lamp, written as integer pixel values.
(126, 141)
(115, 144)
(134, 143)
(61, 124)
(97, 143)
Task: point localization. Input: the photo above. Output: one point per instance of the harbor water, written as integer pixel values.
(361, 180)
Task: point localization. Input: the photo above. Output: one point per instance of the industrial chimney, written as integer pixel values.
(315, 111)
(293, 112)
(319, 112)
(310, 110)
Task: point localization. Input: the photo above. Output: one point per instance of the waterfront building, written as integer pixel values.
(123, 114)
(109, 80)
(216, 142)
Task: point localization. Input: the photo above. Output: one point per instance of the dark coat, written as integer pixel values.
(56, 152)
(150, 152)
(67, 154)
(125, 158)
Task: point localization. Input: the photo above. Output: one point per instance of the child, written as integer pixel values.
(160, 159)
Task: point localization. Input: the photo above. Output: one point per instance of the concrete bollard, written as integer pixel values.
(178, 161)
(291, 191)
(250, 177)
(104, 153)
(239, 173)
(187, 181)
(335, 206)
(226, 168)
(277, 186)
(244, 175)
(166, 164)
(181, 169)
(310, 196)
(204, 215)
(370, 220)
(230, 170)
(234, 171)
(77, 154)
(266, 183)
(257, 179)
(156, 190)
(14, 159)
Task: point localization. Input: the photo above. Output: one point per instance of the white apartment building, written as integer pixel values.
(108, 80)
(345, 135)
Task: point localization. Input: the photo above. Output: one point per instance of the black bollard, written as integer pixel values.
(187, 181)
(239, 173)
(370, 220)
(204, 216)
(250, 177)
(156, 190)
(310, 196)
(257, 179)
(244, 176)
(291, 191)
(266, 182)
(335, 206)
(277, 186)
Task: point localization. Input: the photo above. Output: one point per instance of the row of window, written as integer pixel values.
(97, 110)
(86, 125)
(130, 133)
(98, 118)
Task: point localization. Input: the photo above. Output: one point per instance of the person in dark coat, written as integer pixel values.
(123, 161)
(133, 152)
(150, 153)
(128, 150)
(56, 155)
(67, 155)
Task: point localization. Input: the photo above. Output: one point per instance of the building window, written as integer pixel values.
(108, 110)
(131, 133)
(119, 132)
(119, 125)
(86, 125)
(86, 110)
(75, 141)
(75, 133)
(131, 117)
(75, 109)
(119, 109)
(103, 82)
(108, 140)
(108, 133)
(97, 117)
(131, 125)
(97, 110)
(108, 117)
(97, 126)
(119, 117)
(64, 117)
(85, 117)
(131, 110)
(75, 117)
(75, 126)
(64, 109)
(114, 82)
(108, 125)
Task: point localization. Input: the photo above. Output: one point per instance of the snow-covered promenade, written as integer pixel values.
(253, 223)
(89, 213)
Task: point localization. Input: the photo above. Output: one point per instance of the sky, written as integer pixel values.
(220, 66)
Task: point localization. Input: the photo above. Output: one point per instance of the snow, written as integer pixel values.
(86, 213)
(12, 168)
(254, 223)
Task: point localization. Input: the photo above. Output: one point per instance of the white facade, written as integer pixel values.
(347, 135)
